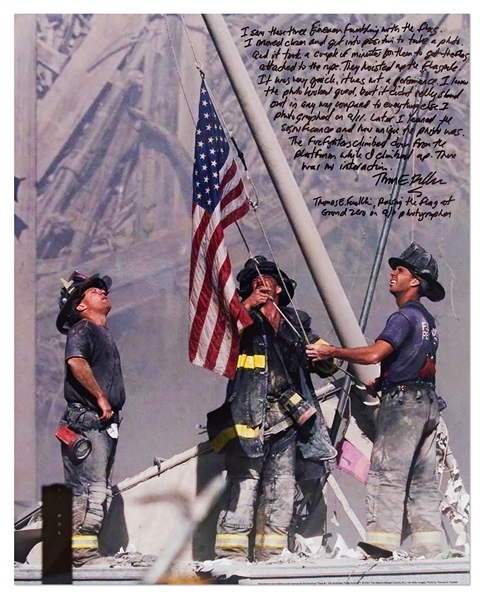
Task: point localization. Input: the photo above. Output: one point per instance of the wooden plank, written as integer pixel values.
(89, 575)
(322, 570)
(308, 572)
(64, 106)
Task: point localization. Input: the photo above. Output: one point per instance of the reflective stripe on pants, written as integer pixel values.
(81, 541)
(401, 483)
(261, 487)
(232, 542)
(387, 540)
(271, 541)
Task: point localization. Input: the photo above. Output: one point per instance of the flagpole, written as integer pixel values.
(326, 280)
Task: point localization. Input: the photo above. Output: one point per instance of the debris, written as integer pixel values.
(456, 501)
(341, 549)
(135, 559)
(451, 554)
(352, 461)
(374, 551)
(309, 547)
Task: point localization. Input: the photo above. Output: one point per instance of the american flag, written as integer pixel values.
(219, 199)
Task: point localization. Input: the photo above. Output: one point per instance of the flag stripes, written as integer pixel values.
(219, 199)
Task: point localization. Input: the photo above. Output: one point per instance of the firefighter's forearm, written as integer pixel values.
(83, 373)
(357, 355)
(366, 355)
(81, 369)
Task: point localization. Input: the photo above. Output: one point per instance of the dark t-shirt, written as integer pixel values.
(96, 345)
(412, 333)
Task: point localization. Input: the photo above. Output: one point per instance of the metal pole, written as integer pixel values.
(153, 471)
(314, 252)
(386, 228)
(388, 221)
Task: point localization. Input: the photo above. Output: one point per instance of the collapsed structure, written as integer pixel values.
(89, 206)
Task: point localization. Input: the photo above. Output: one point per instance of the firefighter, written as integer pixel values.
(95, 393)
(401, 485)
(270, 419)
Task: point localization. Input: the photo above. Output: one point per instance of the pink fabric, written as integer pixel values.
(352, 461)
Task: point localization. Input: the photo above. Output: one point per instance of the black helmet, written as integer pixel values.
(423, 266)
(70, 294)
(260, 265)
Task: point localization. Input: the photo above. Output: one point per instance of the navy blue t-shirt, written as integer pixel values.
(96, 345)
(412, 333)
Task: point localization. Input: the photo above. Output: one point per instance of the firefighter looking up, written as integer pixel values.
(273, 419)
(401, 484)
(95, 393)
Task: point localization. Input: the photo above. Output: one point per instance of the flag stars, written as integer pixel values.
(211, 151)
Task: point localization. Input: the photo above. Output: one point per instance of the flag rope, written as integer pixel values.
(253, 203)
(177, 68)
(240, 154)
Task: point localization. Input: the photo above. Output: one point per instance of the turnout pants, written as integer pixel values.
(401, 483)
(90, 481)
(258, 505)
